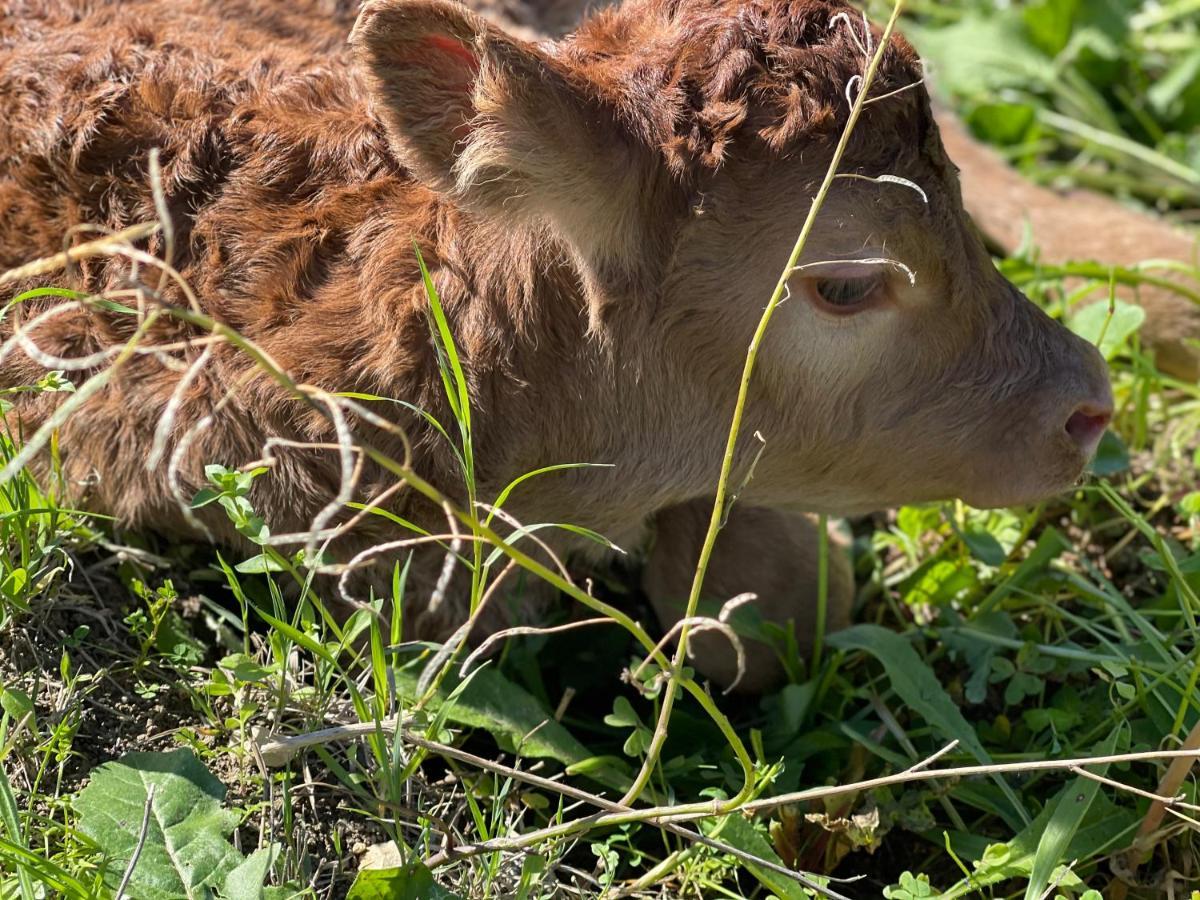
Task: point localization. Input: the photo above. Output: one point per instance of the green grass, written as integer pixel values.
(1062, 631)
(1099, 94)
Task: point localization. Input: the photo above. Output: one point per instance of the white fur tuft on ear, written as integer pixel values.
(423, 61)
(501, 125)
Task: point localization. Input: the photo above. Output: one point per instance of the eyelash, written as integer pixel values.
(845, 296)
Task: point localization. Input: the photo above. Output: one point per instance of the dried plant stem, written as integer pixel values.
(1177, 801)
(141, 843)
(670, 691)
(278, 752)
(918, 774)
(663, 815)
(1168, 788)
(506, 633)
(104, 246)
(118, 243)
(82, 394)
(541, 571)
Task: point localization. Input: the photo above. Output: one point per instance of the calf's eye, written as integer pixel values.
(846, 295)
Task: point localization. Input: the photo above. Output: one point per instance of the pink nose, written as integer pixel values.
(1086, 425)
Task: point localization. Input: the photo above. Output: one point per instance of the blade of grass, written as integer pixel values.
(1072, 806)
(10, 818)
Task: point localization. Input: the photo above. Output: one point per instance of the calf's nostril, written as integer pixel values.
(1087, 424)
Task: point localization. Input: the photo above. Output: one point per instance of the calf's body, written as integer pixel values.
(603, 217)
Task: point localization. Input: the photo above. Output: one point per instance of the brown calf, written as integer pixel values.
(604, 218)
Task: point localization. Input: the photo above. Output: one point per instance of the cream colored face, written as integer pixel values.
(902, 366)
(919, 376)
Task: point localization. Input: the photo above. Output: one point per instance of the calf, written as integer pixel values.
(604, 218)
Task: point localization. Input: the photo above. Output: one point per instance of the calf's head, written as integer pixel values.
(671, 149)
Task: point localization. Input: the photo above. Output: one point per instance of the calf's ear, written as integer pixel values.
(500, 124)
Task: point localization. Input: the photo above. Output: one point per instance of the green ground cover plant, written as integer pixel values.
(1011, 715)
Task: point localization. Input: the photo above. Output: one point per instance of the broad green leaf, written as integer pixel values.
(259, 564)
(533, 868)
(1186, 565)
(975, 655)
(911, 887)
(914, 681)
(736, 831)
(914, 521)
(187, 852)
(18, 704)
(205, 496)
(13, 587)
(623, 714)
(1003, 525)
(1093, 324)
(244, 668)
(984, 546)
(411, 882)
(55, 382)
(940, 582)
(1112, 456)
(1048, 548)
(1049, 23)
(247, 881)
(1002, 123)
(174, 638)
(1105, 826)
(492, 702)
(979, 55)
(920, 690)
